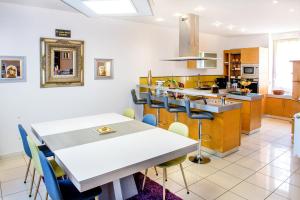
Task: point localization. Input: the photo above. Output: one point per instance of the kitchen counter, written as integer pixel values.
(207, 93)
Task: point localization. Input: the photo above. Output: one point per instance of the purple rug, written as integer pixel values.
(152, 190)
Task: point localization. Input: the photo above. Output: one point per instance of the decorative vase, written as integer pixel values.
(149, 79)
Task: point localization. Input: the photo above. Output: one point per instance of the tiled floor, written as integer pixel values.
(263, 168)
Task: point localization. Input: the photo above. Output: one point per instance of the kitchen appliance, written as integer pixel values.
(159, 85)
(254, 86)
(189, 44)
(250, 71)
(222, 82)
(297, 135)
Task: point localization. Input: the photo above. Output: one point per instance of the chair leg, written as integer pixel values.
(37, 188)
(32, 180)
(166, 178)
(47, 196)
(176, 117)
(156, 173)
(28, 167)
(184, 179)
(157, 116)
(144, 181)
(164, 183)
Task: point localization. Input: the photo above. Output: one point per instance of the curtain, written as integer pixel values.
(285, 50)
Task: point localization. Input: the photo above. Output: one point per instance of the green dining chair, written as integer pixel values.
(129, 112)
(181, 129)
(38, 167)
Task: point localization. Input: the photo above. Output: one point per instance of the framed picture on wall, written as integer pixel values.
(13, 69)
(61, 63)
(103, 68)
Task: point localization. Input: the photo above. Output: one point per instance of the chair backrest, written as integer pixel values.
(149, 101)
(23, 135)
(179, 128)
(188, 107)
(129, 112)
(50, 178)
(35, 155)
(150, 119)
(166, 102)
(134, 97)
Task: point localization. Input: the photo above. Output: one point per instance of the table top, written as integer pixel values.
(91, 160)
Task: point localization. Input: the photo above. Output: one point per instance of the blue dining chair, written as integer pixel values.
(27, 151)
(63, 189)
(150, 119)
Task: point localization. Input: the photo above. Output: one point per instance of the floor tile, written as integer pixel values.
(294, 180)
(14, 186)
(152, 174)
(218, 163)
(276, 197)
(20, 196)
(290, 191)
(230, 196)
(233, 157)
(291, 166)
(251, 163)
(191, 196)
(275, 172)
(250, 191)
(170, 185)
(207, 189)
(11, 163)
(224, 180)
(191, 178)
(201, 170)
(14, 173)
(238, 171)
(264, 181)
(244, 151)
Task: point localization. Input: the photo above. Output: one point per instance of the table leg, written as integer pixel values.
(118, 190)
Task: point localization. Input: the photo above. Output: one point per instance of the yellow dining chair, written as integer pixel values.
(38, 168)
(129, 112)
(183, 130)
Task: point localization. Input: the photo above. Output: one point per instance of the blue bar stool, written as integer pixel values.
(200, 115)
(173, 109)
(157, 106)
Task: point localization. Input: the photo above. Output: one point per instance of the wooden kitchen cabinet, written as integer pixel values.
(250, 55)
(281, 107)
(296, 80)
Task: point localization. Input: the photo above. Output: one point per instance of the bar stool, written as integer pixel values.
(136, 100)
(157, 106)
(173, 109)
(200, 115)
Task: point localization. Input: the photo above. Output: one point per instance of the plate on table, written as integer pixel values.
(105, 130)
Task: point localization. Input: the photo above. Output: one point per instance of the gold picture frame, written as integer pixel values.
(62, 63)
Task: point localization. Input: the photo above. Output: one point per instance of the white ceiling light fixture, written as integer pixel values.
(177, 14)
(243, 30)
(94, 8)
(159, 19)
(217, 24)
(199, 8)
(230, 27)
(275, 2)
(292, 10)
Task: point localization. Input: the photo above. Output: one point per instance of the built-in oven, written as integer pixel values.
(250, 71)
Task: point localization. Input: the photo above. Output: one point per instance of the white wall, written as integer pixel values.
(260, 40)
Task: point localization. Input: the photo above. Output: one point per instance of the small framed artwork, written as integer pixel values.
(103, 68)
(61, 63)
(13, 69)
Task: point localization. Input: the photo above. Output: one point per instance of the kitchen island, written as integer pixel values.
(221, 136)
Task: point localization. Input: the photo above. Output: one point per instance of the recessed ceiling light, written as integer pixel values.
(230, 27)
(292, 10)
(106, 7)
(177, 14)
(200, 8)
(217, 23)
(159, 19)
(243, 30)
(275, 2)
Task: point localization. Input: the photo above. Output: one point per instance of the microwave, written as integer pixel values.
(249, 71)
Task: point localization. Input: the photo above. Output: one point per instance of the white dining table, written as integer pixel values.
(91, 159)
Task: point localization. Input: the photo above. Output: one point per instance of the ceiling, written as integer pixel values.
(236, 17)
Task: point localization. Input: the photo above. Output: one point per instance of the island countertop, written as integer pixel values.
(207, 93)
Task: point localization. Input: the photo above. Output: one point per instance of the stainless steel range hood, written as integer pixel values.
(189, 41)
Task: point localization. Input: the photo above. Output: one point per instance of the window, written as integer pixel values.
(285, 50)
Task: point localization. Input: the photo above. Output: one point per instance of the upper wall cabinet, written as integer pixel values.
(250, 56)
